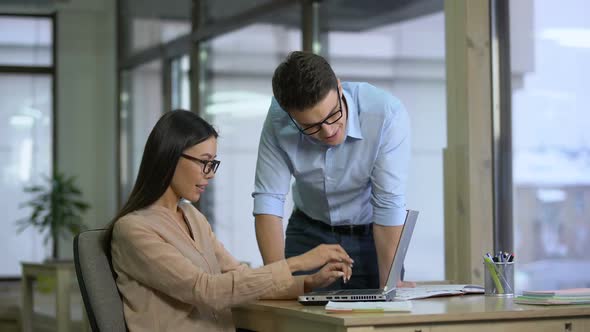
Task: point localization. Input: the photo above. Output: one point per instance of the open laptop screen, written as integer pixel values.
(402, 248)
(384, 294)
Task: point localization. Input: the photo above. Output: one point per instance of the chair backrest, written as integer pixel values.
(97, 282)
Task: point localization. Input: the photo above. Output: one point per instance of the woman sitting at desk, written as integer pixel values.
(172, 272)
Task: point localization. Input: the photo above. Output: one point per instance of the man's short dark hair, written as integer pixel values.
(302, 80)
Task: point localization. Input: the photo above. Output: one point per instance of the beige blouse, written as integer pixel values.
(170, 282)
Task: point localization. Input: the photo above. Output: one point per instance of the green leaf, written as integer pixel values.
(34, 189)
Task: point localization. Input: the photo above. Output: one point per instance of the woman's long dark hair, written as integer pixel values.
(174, 132)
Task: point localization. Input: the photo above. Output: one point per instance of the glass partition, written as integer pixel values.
(145, 24)
(407, 59)
(180, 83)
(141, 107)
(238, 89)
(396, 46)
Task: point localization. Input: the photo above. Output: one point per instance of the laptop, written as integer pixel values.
(387, 293)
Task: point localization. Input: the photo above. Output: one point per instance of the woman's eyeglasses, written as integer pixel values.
(208, 165)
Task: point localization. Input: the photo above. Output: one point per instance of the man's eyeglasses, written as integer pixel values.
(329, 120)
(208, 165)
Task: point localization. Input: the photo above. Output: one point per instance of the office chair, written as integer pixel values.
(97, 282)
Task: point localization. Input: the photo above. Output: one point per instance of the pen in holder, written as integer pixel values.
(499, 277)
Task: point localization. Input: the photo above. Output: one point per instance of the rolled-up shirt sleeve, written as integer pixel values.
(280, 276)
(273, 174)
(390, 173)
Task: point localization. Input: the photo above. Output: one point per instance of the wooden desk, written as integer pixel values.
(64, 274)
(457, 313)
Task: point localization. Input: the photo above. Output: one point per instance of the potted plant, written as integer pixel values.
(56, 209)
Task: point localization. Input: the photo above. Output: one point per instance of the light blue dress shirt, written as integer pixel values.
(360, 181)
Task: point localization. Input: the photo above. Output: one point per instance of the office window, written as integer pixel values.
(26, 134)
(26, 41)
(550, 46)
(26, 156)
(407, 59)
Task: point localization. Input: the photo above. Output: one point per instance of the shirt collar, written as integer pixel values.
(353, 125)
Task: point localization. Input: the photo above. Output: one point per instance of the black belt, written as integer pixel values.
(363, 229)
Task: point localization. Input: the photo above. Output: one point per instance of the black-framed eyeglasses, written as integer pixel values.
(329, 120)
(208, 165)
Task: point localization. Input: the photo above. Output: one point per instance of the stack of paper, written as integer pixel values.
(555, 297)
(425, 291)
(394, 306)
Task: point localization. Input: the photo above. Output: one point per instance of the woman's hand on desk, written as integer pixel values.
(327, 275)
(318, 257)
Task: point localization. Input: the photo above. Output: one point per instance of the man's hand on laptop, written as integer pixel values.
(406, 284)
(318, 257)
(327, 275)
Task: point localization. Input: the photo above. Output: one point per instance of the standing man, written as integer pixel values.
(348, 147)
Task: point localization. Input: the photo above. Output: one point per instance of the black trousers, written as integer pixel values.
(304, 234)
